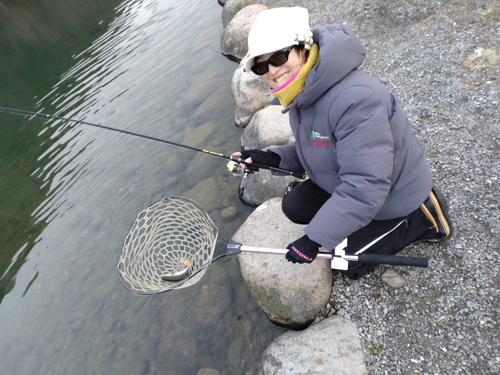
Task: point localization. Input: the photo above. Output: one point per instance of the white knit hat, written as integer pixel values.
(276, 29)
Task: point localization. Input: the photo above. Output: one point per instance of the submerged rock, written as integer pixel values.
(208, 371)
(330, 347)
(206, 194)
(229, 213)
(289, 294)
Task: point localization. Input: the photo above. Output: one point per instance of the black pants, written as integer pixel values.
(302, 201)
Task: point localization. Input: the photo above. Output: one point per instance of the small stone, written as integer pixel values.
(393, 279)
(356, 287)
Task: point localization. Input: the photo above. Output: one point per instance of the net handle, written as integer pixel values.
(367, 258)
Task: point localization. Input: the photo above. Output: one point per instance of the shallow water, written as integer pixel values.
(71, 193)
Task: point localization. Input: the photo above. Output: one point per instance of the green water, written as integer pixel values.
(70, 193)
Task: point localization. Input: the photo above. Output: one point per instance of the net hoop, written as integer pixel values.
(167, 231)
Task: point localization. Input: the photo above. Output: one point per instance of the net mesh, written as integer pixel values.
(169, 230)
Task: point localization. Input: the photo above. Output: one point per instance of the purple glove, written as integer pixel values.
(303, 250)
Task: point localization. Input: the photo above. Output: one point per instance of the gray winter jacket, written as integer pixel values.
(354, 140)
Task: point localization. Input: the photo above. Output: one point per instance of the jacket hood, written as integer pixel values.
(340, 53)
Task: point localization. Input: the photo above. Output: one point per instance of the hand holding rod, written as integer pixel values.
(237, 159)
(296, 174)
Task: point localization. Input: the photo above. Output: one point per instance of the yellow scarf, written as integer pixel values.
(288, 94)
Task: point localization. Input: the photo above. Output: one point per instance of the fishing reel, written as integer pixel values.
(237, 170)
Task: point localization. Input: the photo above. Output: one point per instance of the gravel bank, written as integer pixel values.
(438, 59)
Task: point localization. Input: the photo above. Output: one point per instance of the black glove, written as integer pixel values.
(261, 157)
(303, 250)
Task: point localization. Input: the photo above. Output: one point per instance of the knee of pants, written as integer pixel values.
(291, 207)
(290, 212)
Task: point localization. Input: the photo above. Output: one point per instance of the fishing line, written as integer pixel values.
(234, 159)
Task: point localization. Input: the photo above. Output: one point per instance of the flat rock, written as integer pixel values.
(289, 294)
(330, 347)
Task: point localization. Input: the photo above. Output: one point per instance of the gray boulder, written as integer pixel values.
(331, 347)
(233, 42)
(268, 127)
(261, 186)
(231, 7)
(289, 294)
(250, 94)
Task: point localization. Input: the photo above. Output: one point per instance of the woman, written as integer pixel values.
(369, 181)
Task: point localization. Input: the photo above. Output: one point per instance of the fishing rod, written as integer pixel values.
(233, 165)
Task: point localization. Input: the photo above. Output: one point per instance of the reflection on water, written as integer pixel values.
(152, 67)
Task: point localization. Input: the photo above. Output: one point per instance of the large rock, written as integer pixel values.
(330, 347)
(261, 186)
(268, 127)
(289, 294)
(231, 7)
(250, 95)
(233, 42)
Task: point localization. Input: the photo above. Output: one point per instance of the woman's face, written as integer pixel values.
(278, 75)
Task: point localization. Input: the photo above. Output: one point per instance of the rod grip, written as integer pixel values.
(300, 175)
(393, 260)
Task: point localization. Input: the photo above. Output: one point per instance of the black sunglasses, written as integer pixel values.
(276, 59)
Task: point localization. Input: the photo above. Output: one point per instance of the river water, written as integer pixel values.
(70, 193)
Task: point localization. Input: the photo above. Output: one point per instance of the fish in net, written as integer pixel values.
(169, 246)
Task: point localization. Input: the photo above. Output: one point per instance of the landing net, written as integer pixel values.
(168, 231)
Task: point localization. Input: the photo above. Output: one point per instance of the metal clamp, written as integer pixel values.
(338, 261)
(233, 248)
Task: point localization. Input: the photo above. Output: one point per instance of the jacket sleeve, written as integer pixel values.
(289, 158)
(365, 151)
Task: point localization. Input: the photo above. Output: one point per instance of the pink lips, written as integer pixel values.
(285, 84)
